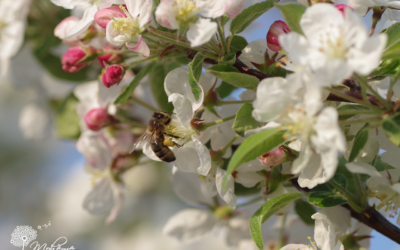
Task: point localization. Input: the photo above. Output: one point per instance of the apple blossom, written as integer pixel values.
(113, 75)
(324, 236)
(276, 29)
(335, 47)
(123, 30)
(77, 58)
(102, 17)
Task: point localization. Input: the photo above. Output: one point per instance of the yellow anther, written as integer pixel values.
(309, 237)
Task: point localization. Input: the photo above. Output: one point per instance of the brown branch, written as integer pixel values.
(370, 217)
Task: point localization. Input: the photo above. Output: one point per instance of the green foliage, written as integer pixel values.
(381, 165)
(225, 89)
(241, 190)
(229, 59)
(273, 70)
(326, 199)
(238, 43)
(392, 52)
(387, 68)
(244, 120)
(253, 147)
(393, 34)
(305, 210)
(232, 76)
(195, 67)
(267, 210)
(156, 82)
(391, 126)
(340, 179)
(350, 107)
(359, 142)
(292, 13)
(247, 16)
(127, 92)
(67, 120)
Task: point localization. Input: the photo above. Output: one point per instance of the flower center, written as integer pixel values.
(333, 45)
(128, 25)
(186, 11)
(300, 125)
(177, 129)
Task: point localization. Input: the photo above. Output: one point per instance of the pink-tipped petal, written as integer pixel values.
(141, 47)
(84, 23)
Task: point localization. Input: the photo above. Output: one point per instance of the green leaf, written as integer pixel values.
(253, 147)
(305, 210)
(241, 190)
(381, 165)
(387, 68)
(393, 33)
(392, 52)
(267, 210)
(326, 199)
(349, 107)
(195, 67)
(232, 76)
(67, 120)
(229, 59)
(238, 43)
(248, 15)
(359, 142)
(292, 13)
(391, 126)
(244, 120)
(127, 92)
(225, 19)
(340, 179)
(156, 82)
(225, 89)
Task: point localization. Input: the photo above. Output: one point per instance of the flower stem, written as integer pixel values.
(105, 52)
(352, 99)
(223, 150)
(209, 124)
(355, 112)
(364, 82)
(222, 36)
(229, 44)
(357, 184)
(221, 103)
(142, 60)
(143, 103)
(353, 201)
(282, 232)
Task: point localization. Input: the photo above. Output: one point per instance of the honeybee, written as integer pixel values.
(155, 137)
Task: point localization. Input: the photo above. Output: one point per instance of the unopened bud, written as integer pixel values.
(77, 58)
(96, 119)
(276, 29)
(273, 158)
(113, 75)
(109, 58)
(342, 7)
(103, 16)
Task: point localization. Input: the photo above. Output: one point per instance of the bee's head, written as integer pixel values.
(163, 117)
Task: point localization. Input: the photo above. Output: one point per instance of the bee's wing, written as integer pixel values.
(142, 141)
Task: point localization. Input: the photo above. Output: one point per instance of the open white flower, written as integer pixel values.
(120, 31)
(334, 47)
(298, 107)
(90, 7)
(384, 185)
(324, 236)
(362, 6)
(183, 15)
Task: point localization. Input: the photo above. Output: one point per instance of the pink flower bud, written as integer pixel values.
(342, 7)
(76, 58)
(103, 16)
(96, 119)
(273, 158)
(109, 58)
(113, 75)
(276, 29)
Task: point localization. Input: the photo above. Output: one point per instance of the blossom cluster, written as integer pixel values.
(317, 116)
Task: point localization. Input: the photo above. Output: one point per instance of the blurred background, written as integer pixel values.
(42, 179)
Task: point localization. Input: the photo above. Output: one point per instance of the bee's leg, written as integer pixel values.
(177, 145)
(173, 136)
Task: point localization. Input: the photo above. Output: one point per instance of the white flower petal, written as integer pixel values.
(187, 158)
(362, 168)
(183, 108)
(324, 233)
(84, 23)
(294, 247)
(201, 32)
(190, 225)
(101, 199)
(204, 157)
(141, 47)
(227, 195)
